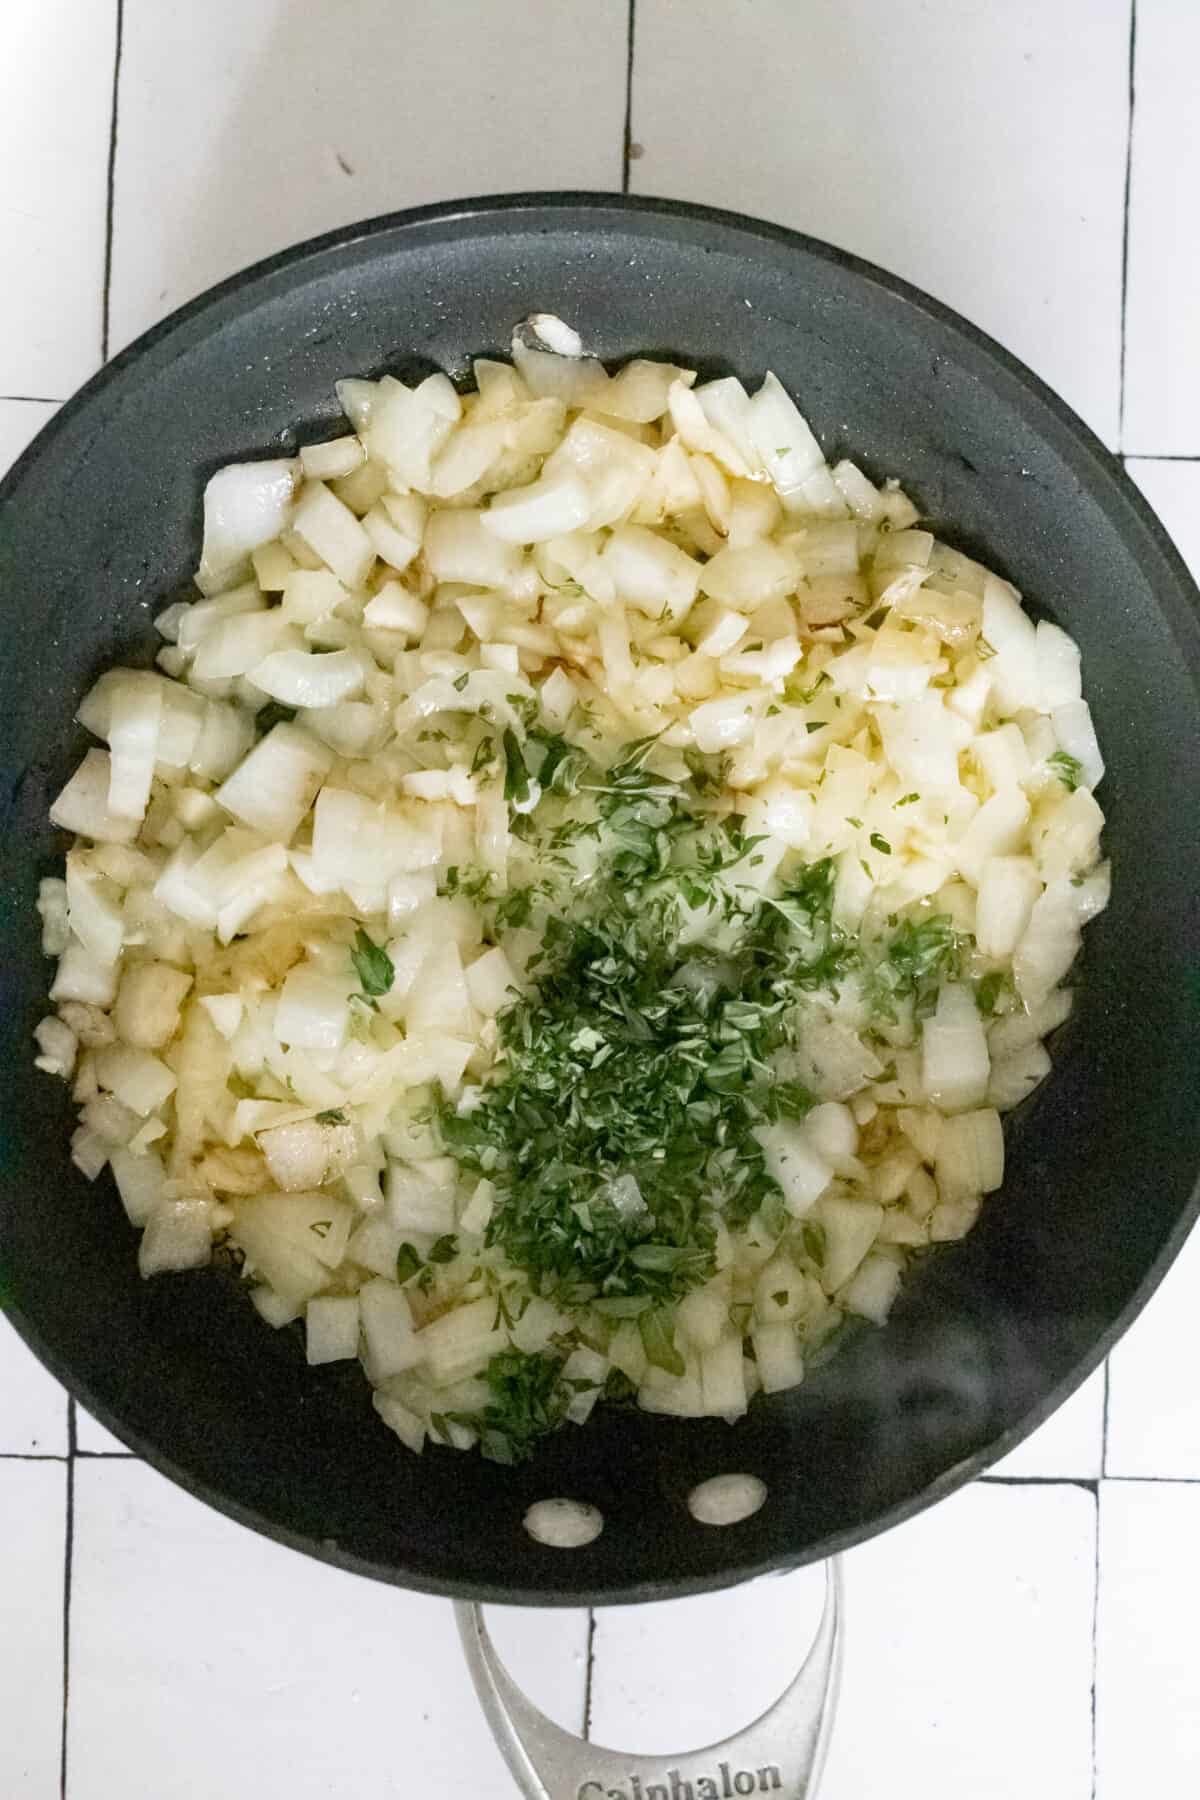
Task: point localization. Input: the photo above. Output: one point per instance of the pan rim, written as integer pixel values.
(1109, 487)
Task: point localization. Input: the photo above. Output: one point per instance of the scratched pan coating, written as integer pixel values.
(101, 519)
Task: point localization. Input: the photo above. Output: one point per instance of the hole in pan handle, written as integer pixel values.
(781, 1753)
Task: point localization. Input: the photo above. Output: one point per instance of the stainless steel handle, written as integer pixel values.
(781, 1753)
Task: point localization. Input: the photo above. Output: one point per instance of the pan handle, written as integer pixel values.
(781, 1753)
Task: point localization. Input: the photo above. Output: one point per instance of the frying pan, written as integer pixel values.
(99, 523)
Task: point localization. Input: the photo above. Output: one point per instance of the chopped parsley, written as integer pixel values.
(639, 1055)
(333, 1115)
(1068, 768)
(527, 1400)
(372, 965)
(880, 843)
(408, 1261)
(991, 989)
(921, 956)
(521, 790)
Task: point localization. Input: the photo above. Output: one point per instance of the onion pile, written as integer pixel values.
(284, 953)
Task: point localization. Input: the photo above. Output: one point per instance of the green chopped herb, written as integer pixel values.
(471, 884)
(520, 789)
(1068, 769)
(879, 843)
(460, 681)
(781, 1296)
(921, 956)
(484, 757)
(272, 714)
(618, 1387)
(321, 1227)
(991, 988)
(658, 1341)
(444, 1250)
(709, 773)
(408, 1261)
(333, 1115)
(908, 800)
(812, 1236)
(811, 725)
(372, 965)
(528, 1399)
(801, 696)
(515, 907)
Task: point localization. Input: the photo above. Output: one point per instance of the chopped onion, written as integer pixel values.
(245, 505)
(275, 785)
(872, 1290)
(177, 1235)
(331, 1327)
(954, 1051)
(298, 678)
(851, 1227)
(795, 1164)
(970, 1154)
(1008, 888)
(545, 509)
(391, 1342)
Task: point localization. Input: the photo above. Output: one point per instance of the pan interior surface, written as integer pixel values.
(100, 523)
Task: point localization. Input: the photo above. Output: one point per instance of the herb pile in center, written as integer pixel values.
(620, 1122)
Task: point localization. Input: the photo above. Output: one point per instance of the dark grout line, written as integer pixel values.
(1152, 1480)
(32, 1456)
(111, 182)
(106, 1456)
(34, 399)
(627, 143)
(68, 1563)
(591, 1670)
(1104, 1425)
(1096, 1631)
(1125, 221)
(1129, 456)
(1088, 1483)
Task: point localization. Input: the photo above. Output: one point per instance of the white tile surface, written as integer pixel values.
(32, 1547)
(1070, 1444)
(968, 1655)
(200, 1652)
(1162, 346)
(56, 69)
(1148, 1675)
(1173, 490)
(1153, 1415)
(976, 149)
(20, 422)
(249, 124)
(33, 1408)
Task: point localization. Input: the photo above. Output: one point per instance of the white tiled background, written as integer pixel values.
(1035, 163)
